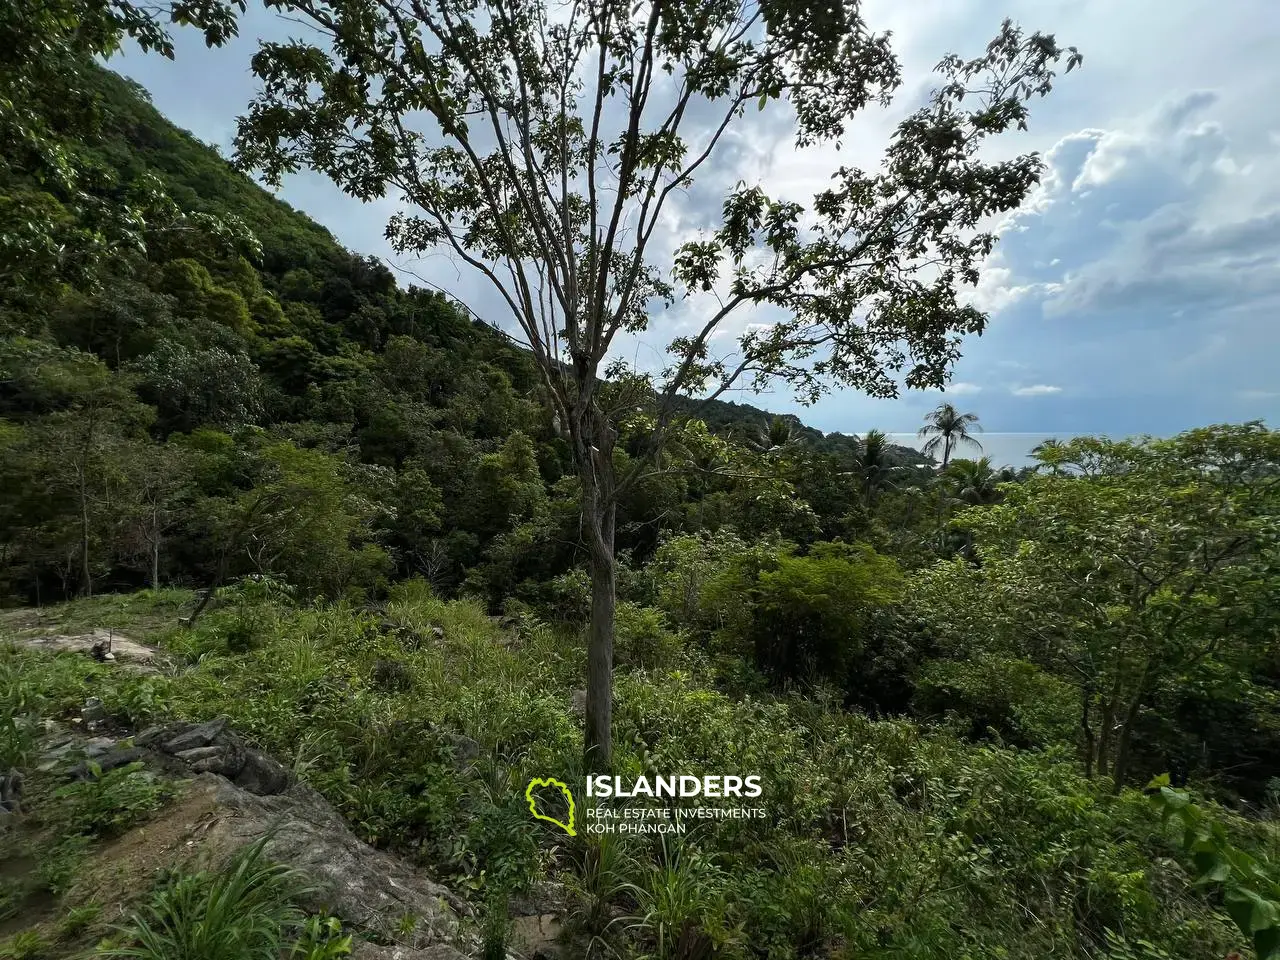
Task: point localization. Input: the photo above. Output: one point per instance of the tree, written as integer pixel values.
(542, 146)
(1125, 580)
(159, 481)
(62, 232)
(772, 434)
(948, 429)
(192, 388)
(85, 410)
(809, 615)
(976, 482)
(875, 468)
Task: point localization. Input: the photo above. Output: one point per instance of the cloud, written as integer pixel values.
(959, 388)
(1037, 390)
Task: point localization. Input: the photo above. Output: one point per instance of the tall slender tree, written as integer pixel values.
(947, 429)
(876, 470)
(543, 145)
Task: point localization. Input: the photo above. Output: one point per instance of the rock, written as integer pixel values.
(212, 748)
(262, 775)
(193, 735)
(579, 705)
(438, 633)
(93, 712)
(536, 937)
(198, 753)
(88, 769)
(364, 887)
(544, 896)
(123, 650)
(227, 761)
(11, 792)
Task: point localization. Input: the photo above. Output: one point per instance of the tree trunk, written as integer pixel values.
(1121, 770)
(598, 515)
(1104, 736)
(1086, 695)
(86, 576)
(155, 564)
(598, 746)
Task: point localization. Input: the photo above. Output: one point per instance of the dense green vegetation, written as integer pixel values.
(952, 679)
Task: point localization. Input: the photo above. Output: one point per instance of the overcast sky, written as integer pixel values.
(1135, 292)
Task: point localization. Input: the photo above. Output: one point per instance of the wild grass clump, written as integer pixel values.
(245, 911)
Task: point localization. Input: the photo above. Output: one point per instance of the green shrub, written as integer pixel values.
(809, 614)
(107, 804)
(643, 639)
(60, 863)
(495, 927)
(77, 920)
(20, 705)
(987, 695)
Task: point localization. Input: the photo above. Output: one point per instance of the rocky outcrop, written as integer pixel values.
(366, 888)
(235, 795)
(101, 644)
(372, 951)
(188, 748)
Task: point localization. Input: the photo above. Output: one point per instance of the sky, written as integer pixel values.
(1135, 292)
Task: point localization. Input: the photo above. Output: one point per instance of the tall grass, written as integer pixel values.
(245, 911)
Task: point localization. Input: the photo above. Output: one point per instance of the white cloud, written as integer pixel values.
(961, 388)
(1037, 390)
(1258, 394)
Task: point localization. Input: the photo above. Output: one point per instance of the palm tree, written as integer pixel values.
(947, 428)
(976, 482)
(1049, 454)
(875, 469)
(772, 433)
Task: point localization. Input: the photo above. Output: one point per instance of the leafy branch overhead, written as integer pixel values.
(544, 148)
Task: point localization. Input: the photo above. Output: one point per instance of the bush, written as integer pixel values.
(990, 696)
(643, 639)
(19, 713)
(110, 803)
(809, 614)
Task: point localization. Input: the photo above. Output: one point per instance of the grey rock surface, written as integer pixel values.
(360, 885)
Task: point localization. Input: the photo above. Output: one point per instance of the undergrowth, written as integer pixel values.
(883, 839)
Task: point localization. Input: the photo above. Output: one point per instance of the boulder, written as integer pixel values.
(93, 712)
(184, 736)
(367, 888)
(186, 748)
(544, 897)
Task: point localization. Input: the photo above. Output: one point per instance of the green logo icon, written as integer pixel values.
(533, 802)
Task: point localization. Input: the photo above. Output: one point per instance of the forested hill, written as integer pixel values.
(244, 395)
(201, 180)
